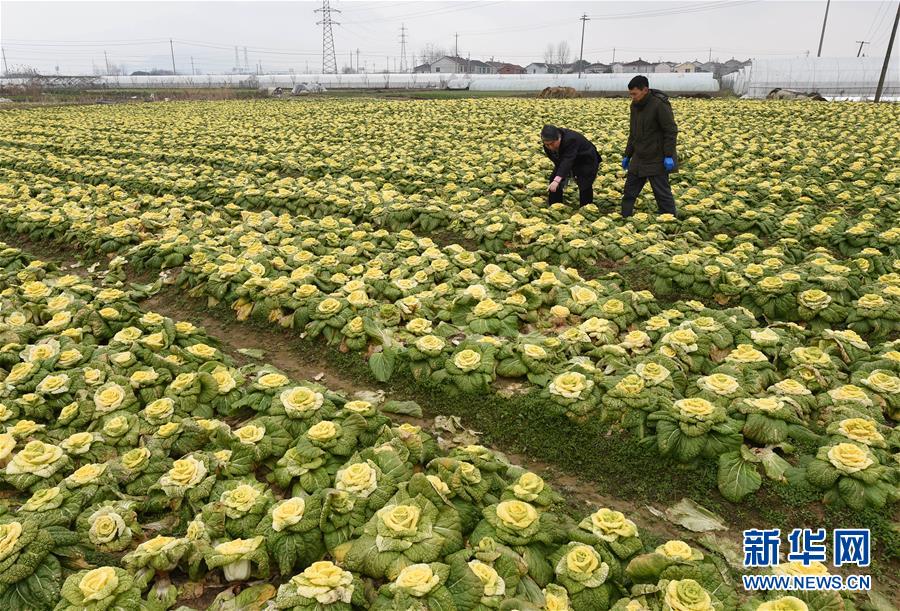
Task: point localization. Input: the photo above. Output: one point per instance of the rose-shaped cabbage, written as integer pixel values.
(609, 525)
(185, 473)
(467, 360)
(850, 458)
(98, 583)
(325, 583)
(36, 458)
(695, 407)
(416, 580)
(492, 583)
(287, 513)
(400, 518)
(359, 478)
(109, 397)
(686, 595)
(300, 401)
(570, 385)
(516, 515)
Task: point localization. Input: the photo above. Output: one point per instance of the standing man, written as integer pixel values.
(650, 153)
(571, 153)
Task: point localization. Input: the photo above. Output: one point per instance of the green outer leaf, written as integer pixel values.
(737, 477)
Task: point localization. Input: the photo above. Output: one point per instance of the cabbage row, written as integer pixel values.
(789, 342)
(138, 460)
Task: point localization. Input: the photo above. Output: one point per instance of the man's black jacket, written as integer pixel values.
(575, 153)
(652, 135)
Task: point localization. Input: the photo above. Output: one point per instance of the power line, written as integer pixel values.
(870, 31)
(681, 10)
(433, 12)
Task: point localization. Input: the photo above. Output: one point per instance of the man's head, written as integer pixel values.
(551, 136)
(638, 88)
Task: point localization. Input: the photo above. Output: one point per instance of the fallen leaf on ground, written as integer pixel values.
(692, 516)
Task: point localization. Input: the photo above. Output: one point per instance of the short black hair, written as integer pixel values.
(550, 133)
(639, 82)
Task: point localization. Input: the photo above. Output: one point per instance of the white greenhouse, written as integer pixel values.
(849, 78)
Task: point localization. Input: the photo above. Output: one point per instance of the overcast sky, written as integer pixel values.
(284, 35)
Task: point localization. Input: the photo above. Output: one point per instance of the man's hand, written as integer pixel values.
(669, 164)
(625, 162)
(555, 184)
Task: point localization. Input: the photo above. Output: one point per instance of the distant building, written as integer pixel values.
(574, 66)
(422, 68)
(733, 65)
(541, 68)
(638, 65)
(664, 67)
(461, 65)
(598, 68)
(474, 66)
(506, 68)
(687, 68)
(617, 67)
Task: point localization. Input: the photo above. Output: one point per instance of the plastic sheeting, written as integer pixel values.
(852, 78)
(613, 83)
(359, 81)
(700, 82)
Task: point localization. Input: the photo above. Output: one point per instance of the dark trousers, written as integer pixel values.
(665, 201)
(584, 178)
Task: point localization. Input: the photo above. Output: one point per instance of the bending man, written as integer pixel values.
(650, 153)
(571, 153)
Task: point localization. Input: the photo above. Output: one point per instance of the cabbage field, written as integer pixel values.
(745, 354)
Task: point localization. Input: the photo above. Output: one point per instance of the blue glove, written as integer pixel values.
(669, 164)
(625, 161)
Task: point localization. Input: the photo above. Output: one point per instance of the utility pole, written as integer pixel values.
(614, 55)
(172, 49)
(193, 70)
(5, 67)
(351, 60)
(246, 61)
(584, 19)
(456, 52)
(329, 61)
(887, 56)
(402, 47)
(710, 55)
(824, 21)
(861, 43)
(357, 60)
(106, 60)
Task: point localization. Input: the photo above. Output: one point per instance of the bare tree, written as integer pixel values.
(550, 55)
(562, 54)
(431, 53)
